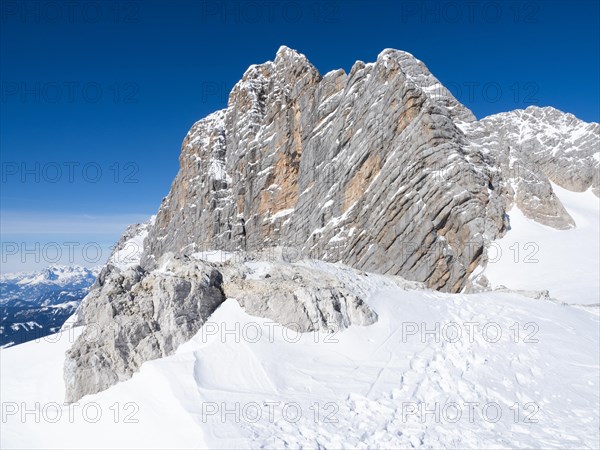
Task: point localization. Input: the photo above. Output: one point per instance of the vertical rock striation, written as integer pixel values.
(368, 168)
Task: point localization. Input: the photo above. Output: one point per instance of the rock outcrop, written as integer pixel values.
(297, 297)
(133, 316)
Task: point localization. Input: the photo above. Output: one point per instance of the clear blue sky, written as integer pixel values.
(116, 85)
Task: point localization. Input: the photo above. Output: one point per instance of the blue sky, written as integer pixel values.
(97, 97)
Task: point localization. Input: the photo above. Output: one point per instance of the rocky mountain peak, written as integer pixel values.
(299, 159)
(288, 56)
(381, 169)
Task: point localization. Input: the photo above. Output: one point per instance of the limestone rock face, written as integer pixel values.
(381, 169)
(367, 168)
(301, 298)
(132, 316)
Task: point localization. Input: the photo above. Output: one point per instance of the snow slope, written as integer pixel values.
(129, 249)
(246, 382)
(566, 262)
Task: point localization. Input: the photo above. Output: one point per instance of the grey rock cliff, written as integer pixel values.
(345, 167)
(381, 168)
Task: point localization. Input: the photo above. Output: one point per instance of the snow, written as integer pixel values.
(259, 269)
(282, 213)
(327, 204)
(215, 256)
(535, 257)
(131, 251)
(57, 275)
(247, 382)
(218, 171)
(39, 385)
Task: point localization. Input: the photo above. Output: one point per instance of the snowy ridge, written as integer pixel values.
(537, 257)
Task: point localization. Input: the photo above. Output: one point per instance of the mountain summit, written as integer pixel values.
(381, 169)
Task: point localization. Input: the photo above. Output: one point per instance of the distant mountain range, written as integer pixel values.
(36, 304)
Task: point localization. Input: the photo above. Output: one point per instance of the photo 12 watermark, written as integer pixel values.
(269, 11)
(69, 92)
(54, 412)
(269, 411)
(64, 12)
(52, 172)
(432, 12)
(472, 412)
(469, 332)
